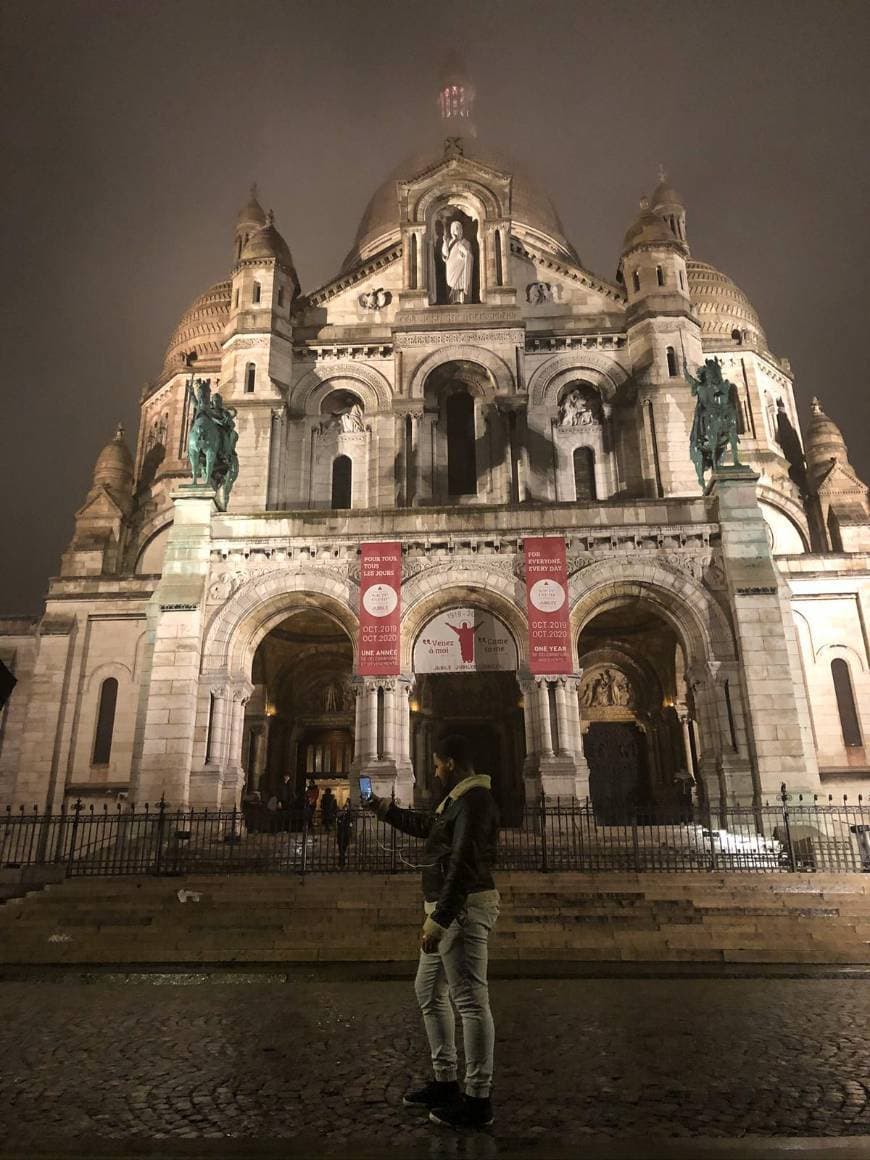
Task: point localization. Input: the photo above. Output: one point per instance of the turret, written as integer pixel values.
(663, 333)
(841, 496)
(668, 204)
(251, 218)
(257, 352)
(95, 546)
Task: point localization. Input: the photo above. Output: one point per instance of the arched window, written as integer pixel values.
(635, 280)
(412, 272)
(682, 280)
(461, 454)
(255, 293)
(250, 378)
(105, 722)
(342, 474)
(236, 299)
(584, 474)
(660, 276)
(280, 295)
(846, 703)
(672, 362)
(239, 248)
(499, 277)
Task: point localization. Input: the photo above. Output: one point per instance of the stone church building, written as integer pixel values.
(462, 383)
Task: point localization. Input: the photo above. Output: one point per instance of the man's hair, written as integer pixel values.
(458, 747)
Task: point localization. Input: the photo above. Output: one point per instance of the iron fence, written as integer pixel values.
(554, 835)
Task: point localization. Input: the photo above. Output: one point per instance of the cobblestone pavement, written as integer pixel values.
(581, 1058)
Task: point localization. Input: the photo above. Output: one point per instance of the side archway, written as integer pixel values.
(547, 382)
(372, 387)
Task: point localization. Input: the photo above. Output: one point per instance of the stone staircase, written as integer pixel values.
(705, 918)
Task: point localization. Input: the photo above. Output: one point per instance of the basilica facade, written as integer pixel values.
(463, 384)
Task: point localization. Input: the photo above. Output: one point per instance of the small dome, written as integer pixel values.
(664, 195)
(252, 213)
(530, 207)
(722, 307)
(114, 466)
(200, 329)
(823, 443)
(268, 243)
(647, 230)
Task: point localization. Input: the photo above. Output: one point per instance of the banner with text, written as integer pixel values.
(379, 591)
(547, 605)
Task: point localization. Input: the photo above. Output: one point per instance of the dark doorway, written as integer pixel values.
(484, 707)
(461, 458)
(618, 783)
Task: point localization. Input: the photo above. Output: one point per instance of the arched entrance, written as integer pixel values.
(300, 717)
(465, 662)
(632, 691)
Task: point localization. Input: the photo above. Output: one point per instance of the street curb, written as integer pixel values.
(193, 974)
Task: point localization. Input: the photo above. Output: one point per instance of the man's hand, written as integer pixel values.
(430, 936)
(371, 803)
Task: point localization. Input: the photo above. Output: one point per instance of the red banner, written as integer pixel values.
(547, 606)
(379, 608)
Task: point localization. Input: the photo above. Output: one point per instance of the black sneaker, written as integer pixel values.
(436, 1094)
(469, 1112)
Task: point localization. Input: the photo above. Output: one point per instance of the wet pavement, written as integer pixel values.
(317, 1066)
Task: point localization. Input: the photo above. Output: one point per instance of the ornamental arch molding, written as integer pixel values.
(462, 192)
(261, 604)
(499, 381)
(605, 374)
(372, 387)
(692, 612)
(496, 594)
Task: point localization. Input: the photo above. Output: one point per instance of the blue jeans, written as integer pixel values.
(457, 972)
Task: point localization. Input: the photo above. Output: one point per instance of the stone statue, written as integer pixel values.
(458, 262)
(211, 445)
(351, 419)
(539, 293)
(621, 691)
(576, 410)
(375, 299)
(717, 420)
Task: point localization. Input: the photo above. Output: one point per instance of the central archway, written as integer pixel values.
(465, 664)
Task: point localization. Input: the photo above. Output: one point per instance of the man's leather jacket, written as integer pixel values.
(461, 845)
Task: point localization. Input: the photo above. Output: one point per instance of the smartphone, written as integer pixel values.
(365, 788)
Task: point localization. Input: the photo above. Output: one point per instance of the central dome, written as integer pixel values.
(533, 214)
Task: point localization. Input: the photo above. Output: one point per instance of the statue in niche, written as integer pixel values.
(458, 263)
(348, 421)
(576, 410)
(717, 423)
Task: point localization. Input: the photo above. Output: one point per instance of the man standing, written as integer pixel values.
(461, 908)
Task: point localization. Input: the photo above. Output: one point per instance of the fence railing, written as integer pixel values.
(554, 835)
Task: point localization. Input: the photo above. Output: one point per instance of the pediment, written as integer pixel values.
(99, 506)
(452, 177)
(841, 480)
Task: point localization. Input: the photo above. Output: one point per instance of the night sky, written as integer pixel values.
(133, 130)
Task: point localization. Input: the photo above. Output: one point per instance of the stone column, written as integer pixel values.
(773, 702)
(172, 683)
(416, 457)
(563, 746)
(370, 751)
(545, 730)
(389, 687)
